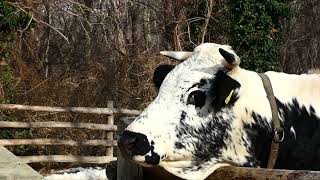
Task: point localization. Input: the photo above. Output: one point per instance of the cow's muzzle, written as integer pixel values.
(133, 144)
(126, 144)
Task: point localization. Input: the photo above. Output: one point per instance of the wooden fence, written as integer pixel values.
(109, 127)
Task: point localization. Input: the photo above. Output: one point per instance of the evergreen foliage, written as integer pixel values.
(12, 19)
(256, 31)
(252, 27)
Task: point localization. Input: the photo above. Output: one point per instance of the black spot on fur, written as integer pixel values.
(260, 136)
(208, 139)
(154, 159)
(163, 156)
(160, 74)
(198, 84)
(179, 145)
(221, 87)
(304, 151)
(183, 116)
(295, 152)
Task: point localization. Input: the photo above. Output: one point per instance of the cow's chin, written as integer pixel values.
(141, 160)
(182, 170)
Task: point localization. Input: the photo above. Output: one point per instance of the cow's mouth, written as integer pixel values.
(135, 146)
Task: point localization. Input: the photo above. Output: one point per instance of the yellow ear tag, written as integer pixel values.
(229, 97)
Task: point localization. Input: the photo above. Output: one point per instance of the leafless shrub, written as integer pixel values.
(300, 49)
(84, 53)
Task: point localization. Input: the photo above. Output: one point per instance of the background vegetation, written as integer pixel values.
(85, 52)
(11, 21)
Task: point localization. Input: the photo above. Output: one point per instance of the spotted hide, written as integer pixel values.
(209, 113)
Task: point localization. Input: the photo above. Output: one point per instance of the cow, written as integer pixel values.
(210, 113)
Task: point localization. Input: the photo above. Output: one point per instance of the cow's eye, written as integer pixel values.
(197, 98)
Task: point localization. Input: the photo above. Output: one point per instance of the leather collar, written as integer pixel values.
(278, 132)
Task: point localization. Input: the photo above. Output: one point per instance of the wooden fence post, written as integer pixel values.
(110, 121)
(127, 170)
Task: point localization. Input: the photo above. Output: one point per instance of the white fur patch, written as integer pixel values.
(293, 132)
(305, 88)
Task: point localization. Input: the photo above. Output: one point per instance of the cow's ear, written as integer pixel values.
(224, 90)
(160, 73)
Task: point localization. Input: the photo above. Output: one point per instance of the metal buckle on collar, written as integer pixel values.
(278, 135)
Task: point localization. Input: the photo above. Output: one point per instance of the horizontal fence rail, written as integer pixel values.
(56, 124)
(68, 158)
(85, 110)
(109, 129)
(16, 142)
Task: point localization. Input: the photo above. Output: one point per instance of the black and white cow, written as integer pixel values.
(209, 113)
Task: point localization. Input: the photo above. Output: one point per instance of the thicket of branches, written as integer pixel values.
(301, 41)
(85, 52)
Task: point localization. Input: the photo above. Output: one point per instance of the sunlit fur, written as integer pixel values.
(161, 120)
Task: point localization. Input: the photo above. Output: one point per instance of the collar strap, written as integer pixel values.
(278, 133)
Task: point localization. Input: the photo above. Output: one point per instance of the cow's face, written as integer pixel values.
(187, 129)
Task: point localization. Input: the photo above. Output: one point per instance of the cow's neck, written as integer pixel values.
(298, 100)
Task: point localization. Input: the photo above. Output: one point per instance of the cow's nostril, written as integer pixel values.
(129, 142)
(136, 144)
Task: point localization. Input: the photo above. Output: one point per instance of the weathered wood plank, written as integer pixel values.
(158, 173)
(43, 141)
(238, 173)
(110, 120)
(12, 167)
(127, 170)
(68, 158)
(241, 173)
(55, 124)
(86, 110)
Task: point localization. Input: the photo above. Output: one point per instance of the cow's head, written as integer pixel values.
(190, 128)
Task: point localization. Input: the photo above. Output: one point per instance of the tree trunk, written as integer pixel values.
(136, 12)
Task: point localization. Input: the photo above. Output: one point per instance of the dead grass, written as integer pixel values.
(93, 85)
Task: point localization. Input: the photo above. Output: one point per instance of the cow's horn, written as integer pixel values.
(178, 55)
(232, 59)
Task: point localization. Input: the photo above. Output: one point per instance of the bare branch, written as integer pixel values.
(55, 29)
(29, 22)
(17, 5)
(205, 26)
